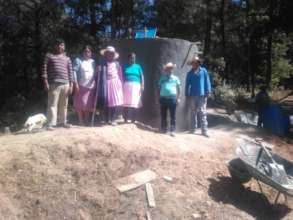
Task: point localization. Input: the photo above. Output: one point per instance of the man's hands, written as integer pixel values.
(76, 87)
(70, 88)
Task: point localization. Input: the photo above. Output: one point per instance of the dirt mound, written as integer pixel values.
(69, 174)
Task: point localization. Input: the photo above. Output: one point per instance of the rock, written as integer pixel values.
(168, 178)
(196, 216)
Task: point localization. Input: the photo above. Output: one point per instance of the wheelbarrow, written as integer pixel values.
(256, 160)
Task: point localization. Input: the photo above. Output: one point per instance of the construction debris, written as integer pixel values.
(148, 215)
(135, 180)
(150, 195)
(168, 178)
(196, 216)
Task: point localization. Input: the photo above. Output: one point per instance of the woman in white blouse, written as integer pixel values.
(84, 84)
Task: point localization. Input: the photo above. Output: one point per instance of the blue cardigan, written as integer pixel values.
(197, 84)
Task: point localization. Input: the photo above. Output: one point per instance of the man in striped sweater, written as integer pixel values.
(57, 79)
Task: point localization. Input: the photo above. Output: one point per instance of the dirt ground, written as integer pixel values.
(69, 174)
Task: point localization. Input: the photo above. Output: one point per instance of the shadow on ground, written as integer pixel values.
(224, 190)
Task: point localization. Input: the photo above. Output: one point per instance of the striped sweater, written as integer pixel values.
(57, 69)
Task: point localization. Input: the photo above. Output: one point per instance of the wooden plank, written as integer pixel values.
(135, 180)
(196, 216)
(148, 215)
(168, 178)
(150, 195)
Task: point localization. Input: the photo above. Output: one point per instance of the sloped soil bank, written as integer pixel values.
(69, 174)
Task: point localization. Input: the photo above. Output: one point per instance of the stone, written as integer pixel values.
(196, 216)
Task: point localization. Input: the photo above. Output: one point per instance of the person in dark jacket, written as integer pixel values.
(262, 100)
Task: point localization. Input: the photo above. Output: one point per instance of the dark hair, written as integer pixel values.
(58, 41)
(131, 54)
(87, 47)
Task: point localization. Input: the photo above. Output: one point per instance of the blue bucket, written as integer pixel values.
(275, 120)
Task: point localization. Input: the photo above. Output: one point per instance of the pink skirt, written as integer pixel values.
(84, 99)
(132, 94)
(115, 92)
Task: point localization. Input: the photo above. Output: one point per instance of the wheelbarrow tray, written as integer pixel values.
(255, 159)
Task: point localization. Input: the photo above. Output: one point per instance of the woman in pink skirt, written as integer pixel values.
(110, 92)
(132, 87)
(84, 84)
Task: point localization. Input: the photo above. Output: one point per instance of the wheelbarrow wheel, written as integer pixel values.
(238, 171)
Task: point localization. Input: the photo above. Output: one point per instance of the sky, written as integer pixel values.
(241, 3)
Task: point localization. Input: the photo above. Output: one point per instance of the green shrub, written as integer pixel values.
(226, 95)
(281, 67)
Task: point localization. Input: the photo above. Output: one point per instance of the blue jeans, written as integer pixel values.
(168, 104)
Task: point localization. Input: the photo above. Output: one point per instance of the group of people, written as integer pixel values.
(105, 85)
(108, 86)
(197, 90)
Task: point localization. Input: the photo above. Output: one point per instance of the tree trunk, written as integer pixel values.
(113, 19)
(250, 83)
(269, 45)
(269, 60)
(38, 41)
(222, 18)
(251, 71)
(128, 13)
(222, 30)
(207, 40)
(93, 18)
